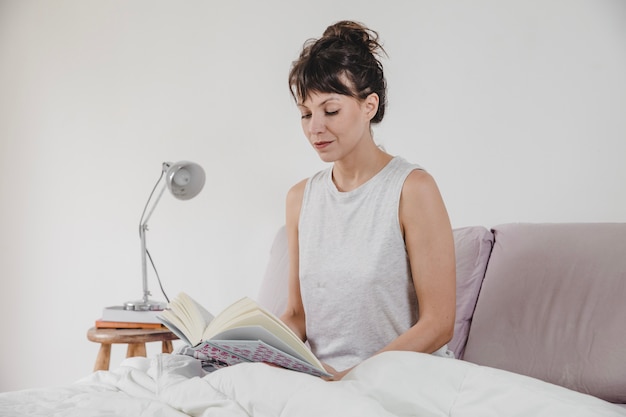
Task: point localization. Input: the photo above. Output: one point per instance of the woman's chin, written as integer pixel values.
(327, 156)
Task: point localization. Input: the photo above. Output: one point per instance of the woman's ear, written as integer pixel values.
(371, 105)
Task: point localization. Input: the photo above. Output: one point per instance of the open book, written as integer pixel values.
(243, 332)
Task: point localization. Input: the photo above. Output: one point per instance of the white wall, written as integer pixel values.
(516, 107)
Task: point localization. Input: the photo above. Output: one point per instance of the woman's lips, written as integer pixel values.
(321, 144)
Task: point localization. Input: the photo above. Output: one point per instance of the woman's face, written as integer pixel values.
(336, 124)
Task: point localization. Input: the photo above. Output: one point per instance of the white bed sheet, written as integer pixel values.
(390, 384)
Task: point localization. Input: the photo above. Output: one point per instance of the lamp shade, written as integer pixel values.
(185, 179)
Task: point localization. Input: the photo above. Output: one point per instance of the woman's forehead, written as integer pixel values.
(317, 99)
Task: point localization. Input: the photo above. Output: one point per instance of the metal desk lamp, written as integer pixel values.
(184, 180)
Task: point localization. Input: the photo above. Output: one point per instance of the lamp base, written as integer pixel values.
(145, 305)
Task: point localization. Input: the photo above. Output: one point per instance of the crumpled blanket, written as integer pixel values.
(389, 384)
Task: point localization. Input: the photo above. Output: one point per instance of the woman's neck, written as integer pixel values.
(351, 173)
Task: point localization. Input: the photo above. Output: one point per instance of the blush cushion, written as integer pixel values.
(274, 286)
(553, 306)
(472, 246)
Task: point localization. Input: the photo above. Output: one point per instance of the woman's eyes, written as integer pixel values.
(327, 113)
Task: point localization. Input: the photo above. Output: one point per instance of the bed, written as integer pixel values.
(396, 383)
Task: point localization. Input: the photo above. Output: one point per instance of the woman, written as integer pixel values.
(371, 251)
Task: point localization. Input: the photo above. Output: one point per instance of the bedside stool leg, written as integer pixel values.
(136, 349)
(167, 346)
(103, 358)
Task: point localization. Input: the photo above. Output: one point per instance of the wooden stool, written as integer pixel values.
(135, 338)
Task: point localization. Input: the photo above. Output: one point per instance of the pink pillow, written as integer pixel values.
(274, 287)
(472, 246)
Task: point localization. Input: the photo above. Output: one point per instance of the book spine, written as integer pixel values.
(104, 324)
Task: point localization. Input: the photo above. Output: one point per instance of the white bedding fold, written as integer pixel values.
(409, 384)
(390, 384)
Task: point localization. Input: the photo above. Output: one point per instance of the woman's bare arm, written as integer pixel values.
(294, 316)
(430, 247)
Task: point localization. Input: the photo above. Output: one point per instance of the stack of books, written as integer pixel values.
(116, 317)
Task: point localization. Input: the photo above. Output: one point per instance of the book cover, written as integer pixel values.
(103, 324)
(237, 351)
(119, 314)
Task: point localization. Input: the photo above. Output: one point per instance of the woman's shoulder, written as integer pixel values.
(299, 186)
(421, 199)
(297, 190)
(419, 181)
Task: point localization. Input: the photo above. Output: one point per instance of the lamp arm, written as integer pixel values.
(143, 228)
(145, 303)
(144, 270)
(144, 221)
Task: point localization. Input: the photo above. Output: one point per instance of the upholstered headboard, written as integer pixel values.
(553, 306)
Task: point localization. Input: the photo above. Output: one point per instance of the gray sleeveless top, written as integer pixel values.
(355, 279)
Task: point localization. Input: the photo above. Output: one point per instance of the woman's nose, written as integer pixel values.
(317, 124)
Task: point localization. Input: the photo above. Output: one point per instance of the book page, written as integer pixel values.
(197, 313)
(175, 329)
(259, 333)
(232, 312)
(177, 326)
(247, 313)
(188, 317)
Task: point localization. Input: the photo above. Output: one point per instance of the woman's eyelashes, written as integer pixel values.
(327, 113)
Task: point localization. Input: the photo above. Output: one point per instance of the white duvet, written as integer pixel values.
(390, 384)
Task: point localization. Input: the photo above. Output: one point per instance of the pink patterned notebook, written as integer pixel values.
(231, 352)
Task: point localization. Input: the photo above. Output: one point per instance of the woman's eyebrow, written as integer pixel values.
(302, 105)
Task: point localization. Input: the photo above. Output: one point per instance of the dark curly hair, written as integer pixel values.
(345, 60)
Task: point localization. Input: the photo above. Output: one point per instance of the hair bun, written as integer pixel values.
(355, 33)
